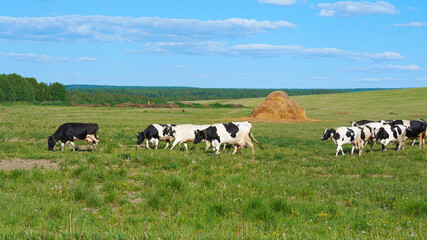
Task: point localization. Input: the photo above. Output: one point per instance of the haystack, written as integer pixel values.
(278, 106)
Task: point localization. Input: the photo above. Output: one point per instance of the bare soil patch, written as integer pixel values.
(18, 163)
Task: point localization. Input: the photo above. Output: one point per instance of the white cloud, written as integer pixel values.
(32, 57)
(422, 79)
(37, 58)
(260, 50)
(352, 9)
(279, 2)
(411, 24)
(377, 79)
(387, 68)
(86, 59)
(412, 8)
(128, 29)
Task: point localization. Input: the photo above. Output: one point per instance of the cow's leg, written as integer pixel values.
(250, 144)
(371, 142)
(225, 145)
(208, 144)
(73, 147)
(424, 141)
(62, 146)
(360, 147)
(186, 147)
(352, 149)
(95, 144)
(235, 148)
(402, 145)
(421, 139)
(175, 142)
(147, 143)
(216, 146)
(156, 142)
(386, 143)
(167, 143)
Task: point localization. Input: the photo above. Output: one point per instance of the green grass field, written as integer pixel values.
(295, 189)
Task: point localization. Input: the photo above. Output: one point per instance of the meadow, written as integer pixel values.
(294, 189)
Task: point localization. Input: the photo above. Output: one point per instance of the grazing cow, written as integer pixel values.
(70, 132)
(237, 134)
(416, 130)
(184, 133)
(390, 133)
(345, 135)
(361, 122)
(155, 133)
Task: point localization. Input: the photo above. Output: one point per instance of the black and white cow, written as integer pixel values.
(155, 133)
(70, 132)
(416, 130)
(361, 122)
(184, 133)
(345, 135)
(368, 132)
(237, 134)
(390, 133)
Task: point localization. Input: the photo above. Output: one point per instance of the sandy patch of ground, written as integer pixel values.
(18, 163)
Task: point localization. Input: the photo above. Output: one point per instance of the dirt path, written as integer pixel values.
(18, 163)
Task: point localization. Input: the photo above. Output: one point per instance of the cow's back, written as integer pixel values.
(78, 130)
(226, 137)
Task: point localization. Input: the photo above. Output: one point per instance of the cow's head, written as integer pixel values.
(199, 136)
(51, 142)
(141, 137)
(327, 133)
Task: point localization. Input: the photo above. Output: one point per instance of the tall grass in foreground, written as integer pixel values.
(295, 189)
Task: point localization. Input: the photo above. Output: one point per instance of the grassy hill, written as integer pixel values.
(385, 104)
(295, 189)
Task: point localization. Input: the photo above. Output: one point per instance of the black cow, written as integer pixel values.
(69, 132)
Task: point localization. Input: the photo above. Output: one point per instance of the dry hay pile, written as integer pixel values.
(278, 106)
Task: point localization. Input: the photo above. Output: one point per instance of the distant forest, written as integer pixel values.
(14, 87)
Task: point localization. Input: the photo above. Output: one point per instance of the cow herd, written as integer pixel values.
(383, 132)
(238, 134)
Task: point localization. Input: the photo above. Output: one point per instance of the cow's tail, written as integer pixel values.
(259, 144)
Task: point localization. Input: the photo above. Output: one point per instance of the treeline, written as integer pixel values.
(14, 87)
(163, 95)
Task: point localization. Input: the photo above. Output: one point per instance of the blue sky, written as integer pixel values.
(219, 44)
